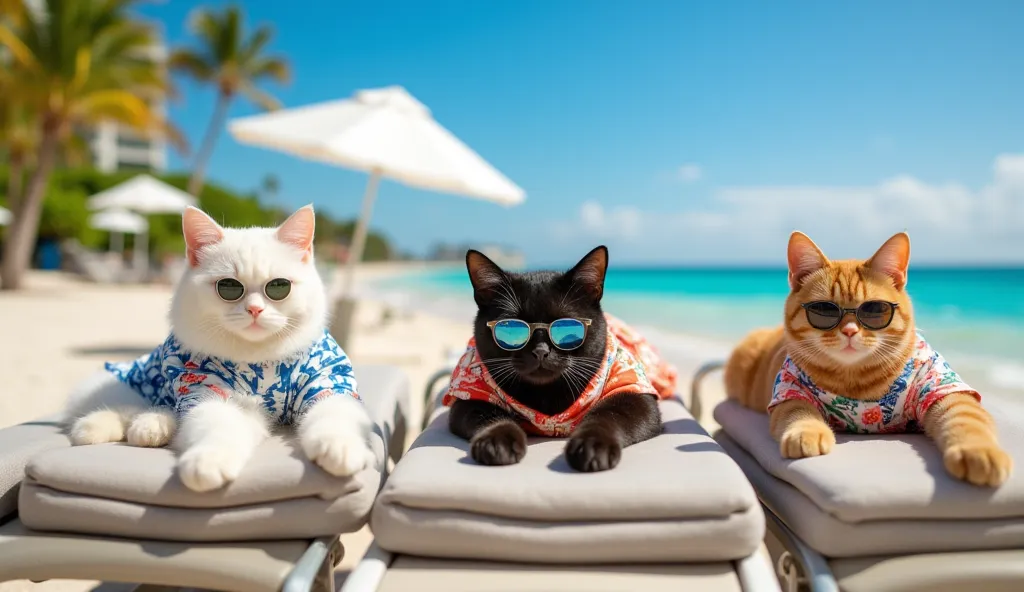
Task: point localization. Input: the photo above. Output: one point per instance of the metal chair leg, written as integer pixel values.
(696, 406)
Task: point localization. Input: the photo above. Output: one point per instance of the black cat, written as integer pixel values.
(542, 376)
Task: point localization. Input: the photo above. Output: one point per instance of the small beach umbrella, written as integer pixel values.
(145, 195)
(5, 216)
(118, 223)
(386, 133)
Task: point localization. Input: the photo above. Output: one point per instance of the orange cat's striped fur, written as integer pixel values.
(961, 428)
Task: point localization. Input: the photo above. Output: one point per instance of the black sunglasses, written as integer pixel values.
(873, 314)
(232, 290)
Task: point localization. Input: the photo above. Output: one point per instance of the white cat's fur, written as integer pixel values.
(217, 437)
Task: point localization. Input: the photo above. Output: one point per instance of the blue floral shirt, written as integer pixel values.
(171, 376)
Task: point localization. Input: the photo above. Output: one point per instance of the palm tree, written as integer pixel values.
(234, 63)
(74, 64)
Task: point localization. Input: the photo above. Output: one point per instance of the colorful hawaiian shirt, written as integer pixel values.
(630, 365)
(925, 379)
(171, 376)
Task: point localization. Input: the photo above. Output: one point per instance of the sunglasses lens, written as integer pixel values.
(230, 289)
(875, 314)
(511, 334)
(278, 289)
(567, 333)
(823, 315)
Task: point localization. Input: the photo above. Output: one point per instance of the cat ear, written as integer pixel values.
(200, 231)
(485, 276)
(297, 230)
(804, 258)
(590, 271)
(893, 259)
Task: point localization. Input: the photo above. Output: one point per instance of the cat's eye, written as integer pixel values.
(278, 289)
(230, 289)
(873, 314)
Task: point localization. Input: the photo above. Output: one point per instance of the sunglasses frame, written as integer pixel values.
(856, 313)
(246, 290)
(546, 326)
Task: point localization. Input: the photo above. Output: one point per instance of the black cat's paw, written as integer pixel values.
(593, 451)
(499, 444)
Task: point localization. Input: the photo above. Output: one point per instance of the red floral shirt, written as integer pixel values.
(630, 365)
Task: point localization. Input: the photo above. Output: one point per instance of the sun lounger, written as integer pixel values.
(675, 514)
(880, 513)
(117, 513)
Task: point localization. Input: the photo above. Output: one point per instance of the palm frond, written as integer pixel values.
(273, 68)
(261, 98)
(192, 64)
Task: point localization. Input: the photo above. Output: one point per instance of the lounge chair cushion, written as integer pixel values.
(870, 478)
(18, 444)
(115, 489)
(835, 538)
(676, 497)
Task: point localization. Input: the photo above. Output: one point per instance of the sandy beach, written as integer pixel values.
(60, 330)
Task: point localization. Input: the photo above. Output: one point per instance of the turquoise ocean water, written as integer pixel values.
(974, 317)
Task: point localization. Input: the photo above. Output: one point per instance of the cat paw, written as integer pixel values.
(205, 468)
(341, 455)
(499, 444)
(98, 427)
(981, 464)
(590, 452)
(811, 438)
(152, 429)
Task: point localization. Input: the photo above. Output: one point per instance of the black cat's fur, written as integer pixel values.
(540, 375)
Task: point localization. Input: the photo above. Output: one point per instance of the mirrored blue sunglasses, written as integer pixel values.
(514, 334)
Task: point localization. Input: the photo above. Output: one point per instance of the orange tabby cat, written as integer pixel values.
(851, 377)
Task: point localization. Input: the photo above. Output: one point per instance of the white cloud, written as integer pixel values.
(623, 221)
(948, 222)
(690, 173)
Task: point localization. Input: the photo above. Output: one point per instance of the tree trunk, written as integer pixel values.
(220, 111)
(15, 175)
(21, 239)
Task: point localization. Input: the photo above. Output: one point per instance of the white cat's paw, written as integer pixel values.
(152, 429)
(98, 427)
(340, 454)
(206, 467)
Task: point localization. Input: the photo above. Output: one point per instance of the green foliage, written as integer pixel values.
(65, 214)
(331, 232)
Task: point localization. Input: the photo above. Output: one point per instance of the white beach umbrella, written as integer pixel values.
(5, 216)
(119, 222)
(387, 133)
(143, 194)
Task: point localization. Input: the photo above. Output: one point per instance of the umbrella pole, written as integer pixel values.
(141, 251)
(355, 250)
(118, 244)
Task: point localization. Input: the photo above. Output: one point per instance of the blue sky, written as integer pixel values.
(674, 132)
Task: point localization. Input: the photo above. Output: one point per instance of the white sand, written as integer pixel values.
(59, 330)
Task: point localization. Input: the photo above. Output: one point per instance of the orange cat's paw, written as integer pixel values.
(807, 438)
(981, 464)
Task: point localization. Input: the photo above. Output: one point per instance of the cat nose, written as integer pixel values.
(254, 310)
(850, 329)
(541, 351)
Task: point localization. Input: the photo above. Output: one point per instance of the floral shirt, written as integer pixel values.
(630, 365)
(171, 376)
(925, 379)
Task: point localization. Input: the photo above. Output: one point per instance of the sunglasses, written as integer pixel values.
(514, 334)
(232, 290)
(873, 314)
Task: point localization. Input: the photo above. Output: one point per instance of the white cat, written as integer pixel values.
(248, 346)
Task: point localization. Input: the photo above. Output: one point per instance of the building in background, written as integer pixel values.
(505, 257)
(117, 148)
